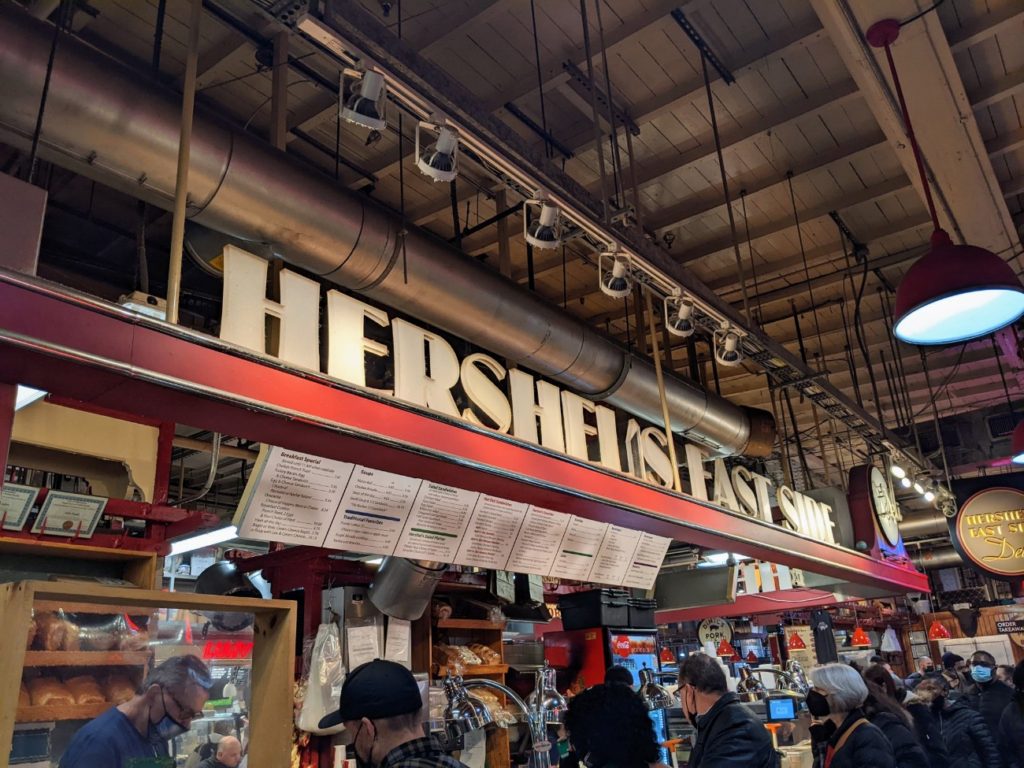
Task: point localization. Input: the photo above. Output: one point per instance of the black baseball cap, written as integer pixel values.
(950, 660)
(376, 689)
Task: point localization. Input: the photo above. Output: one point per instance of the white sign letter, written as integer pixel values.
(484, 393)
(412, 382)
(526, 411)
(347, 347)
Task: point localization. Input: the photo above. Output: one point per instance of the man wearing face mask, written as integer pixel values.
(137, 731)
(728, 734)
(380, 707)
(987, 696)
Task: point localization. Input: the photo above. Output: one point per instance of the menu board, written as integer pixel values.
(15, 503)
(580, 545)
(491, 532)
(615, 556)
(538, 541)
(69, 514)
(436, 523)
(647, 560)
(372, 512)
(291, 497)
(296, 498)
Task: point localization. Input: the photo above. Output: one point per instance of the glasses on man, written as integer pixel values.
(185, 714)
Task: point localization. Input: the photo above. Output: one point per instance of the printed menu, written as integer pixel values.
(372, 512)
(647, 560)
(436, 523)
(538, 540)
(491, 532)
(580, 545)
(615, 556)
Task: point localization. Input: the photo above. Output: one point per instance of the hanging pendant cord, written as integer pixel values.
(725, 185)
(803, 256)
(750, 251)
(911, 137)
(540, 81)
(401, 173)
(1002, 374)
(65, 13)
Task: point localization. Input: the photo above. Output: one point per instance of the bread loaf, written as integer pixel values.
(85, 689)
(118, 689)
(50, 632)
(48, 691)
(24, 700)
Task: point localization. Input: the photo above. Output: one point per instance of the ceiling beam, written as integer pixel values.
(985, 26)
(212, 61)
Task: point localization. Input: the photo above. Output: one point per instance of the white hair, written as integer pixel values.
(844, 686)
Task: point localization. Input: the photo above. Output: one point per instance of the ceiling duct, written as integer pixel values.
(110, 124)
(919, 525)
(943, 557)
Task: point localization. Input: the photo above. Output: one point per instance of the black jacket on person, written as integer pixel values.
(905, 747)
(865, 747)
(729, 735)
(929, 735)
(990, 699)
(1011, 733)
(967, 738)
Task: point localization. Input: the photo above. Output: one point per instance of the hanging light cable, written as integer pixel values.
(954, 292)
(1017, 436)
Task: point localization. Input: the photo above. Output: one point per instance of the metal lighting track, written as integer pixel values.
(348, 30)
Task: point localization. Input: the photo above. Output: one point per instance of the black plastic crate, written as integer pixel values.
(641, 613)
(595, 608)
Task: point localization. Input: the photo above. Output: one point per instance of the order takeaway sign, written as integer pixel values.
(989, 530)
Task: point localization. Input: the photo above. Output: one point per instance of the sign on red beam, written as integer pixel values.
(78, 347)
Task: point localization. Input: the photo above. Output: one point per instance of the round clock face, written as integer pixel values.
(886, 511)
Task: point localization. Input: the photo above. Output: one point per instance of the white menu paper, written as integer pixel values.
(398, 643)
(363, 645)
(373, 512)
(615, 556)
(15, 503)
(647, 560)
(291, 497)
(491, 532)
(436, 523)
(580, 545)
(538, 540)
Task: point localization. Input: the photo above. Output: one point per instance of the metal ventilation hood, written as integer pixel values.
(109, 124)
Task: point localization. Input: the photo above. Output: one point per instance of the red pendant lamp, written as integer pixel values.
(752, 657)
(725, 649)
(938, 631)
(953, 293)
(796, 643)
(860, 638)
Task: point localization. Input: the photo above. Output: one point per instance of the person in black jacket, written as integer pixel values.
(882, 710)
(1011, 724)
(728, 734)
(609, 727)
(837, 694)
(964, 732)
(988, 696)
(926, 725)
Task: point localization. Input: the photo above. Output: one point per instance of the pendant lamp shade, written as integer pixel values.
(955, 293)
(1017, 444)
(938, 631)
(725, 649)
(860, 638)
(796, 643)
(752, 657)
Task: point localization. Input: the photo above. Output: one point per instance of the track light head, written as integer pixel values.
(439, 160)
(365, 106)
(727, 346)
(898, 472)
(546, 230)
(906, 482)
(614, 274)
(679, 316)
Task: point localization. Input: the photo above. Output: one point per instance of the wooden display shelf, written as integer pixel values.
(470, 624)
(87, 658)
(476, 670)
(54, 606)
(50, 712)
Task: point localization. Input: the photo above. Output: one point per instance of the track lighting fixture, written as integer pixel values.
(906, 482)
(613, 271)
(953, 293)
(440, 159)
(918, 488)
(727, 346)
(929, 496)
(679, 316)
(365, 106)
(898, 472)
(546, 230)
(373, 137)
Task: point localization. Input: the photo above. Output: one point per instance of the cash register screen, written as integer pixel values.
(780, 709)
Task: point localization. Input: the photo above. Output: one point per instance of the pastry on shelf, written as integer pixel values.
(49, 691)
(85, 689)
(118, 688)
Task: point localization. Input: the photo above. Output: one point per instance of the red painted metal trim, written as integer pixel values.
(752, 605)
(88, 350)
(8, 399)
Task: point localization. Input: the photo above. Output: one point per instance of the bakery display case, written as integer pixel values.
(74, 649)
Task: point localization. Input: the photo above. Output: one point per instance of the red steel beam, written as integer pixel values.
(752, 605)
(80, 347)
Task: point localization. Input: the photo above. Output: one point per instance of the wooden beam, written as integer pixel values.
(220, 52)
(983, 27)
(279, 92)
(1002, 89)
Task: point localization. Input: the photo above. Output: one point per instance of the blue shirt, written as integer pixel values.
(111, 741)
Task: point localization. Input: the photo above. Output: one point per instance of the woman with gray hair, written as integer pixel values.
(837, 694)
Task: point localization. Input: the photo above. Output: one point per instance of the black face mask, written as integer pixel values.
(691, 716)
(823, 731)
(817, 704)
(938, 703)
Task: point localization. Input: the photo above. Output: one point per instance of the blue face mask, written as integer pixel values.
(981, 674)
(166, 728)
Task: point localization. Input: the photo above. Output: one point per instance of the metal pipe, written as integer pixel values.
(113, 125)
(931, 559)
(929, 523)
(656, 354)
(210, 477)
(188, 103)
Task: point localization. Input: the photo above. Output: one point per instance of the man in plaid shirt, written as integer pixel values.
(380, 706)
